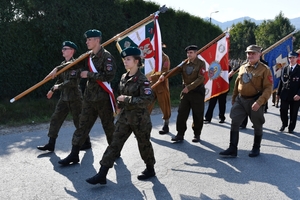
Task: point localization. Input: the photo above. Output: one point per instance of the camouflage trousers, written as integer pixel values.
(123, 131)
(63, 108)
(90, 112)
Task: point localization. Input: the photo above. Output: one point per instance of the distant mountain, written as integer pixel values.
(225, 25)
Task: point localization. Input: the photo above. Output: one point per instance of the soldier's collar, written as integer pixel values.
(254, 66)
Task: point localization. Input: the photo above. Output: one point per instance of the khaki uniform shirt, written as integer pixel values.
(192, 73)
(261, 82)
(164, 68)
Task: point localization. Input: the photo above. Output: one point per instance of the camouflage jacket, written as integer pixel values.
(68, 84)
(104, 63)
(138, 95)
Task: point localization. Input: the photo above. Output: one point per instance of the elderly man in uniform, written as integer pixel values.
(192, 95)
(289, 93)
(97, 100)
(253, 88)
(70, 97)
(162, 94)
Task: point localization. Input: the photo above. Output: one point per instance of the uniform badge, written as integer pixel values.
(146, 83)
(73, 73)
(189, 70)
(109, 67)
(270, 78)
(147, 91)
(109, 59)
(246, 77)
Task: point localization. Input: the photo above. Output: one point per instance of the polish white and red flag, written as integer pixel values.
(217, 67)
(147, 38)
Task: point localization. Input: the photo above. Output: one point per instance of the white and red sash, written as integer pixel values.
(105, 85)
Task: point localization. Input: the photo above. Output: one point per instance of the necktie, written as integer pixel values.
(292, 68)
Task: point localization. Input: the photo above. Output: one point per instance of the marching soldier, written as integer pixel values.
(289, 93)
(192, 95)
(135, 96)
(98, 99)
(162, 94)
(70, 97)
(253, 88)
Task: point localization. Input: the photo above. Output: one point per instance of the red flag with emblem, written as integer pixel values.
(217, 67)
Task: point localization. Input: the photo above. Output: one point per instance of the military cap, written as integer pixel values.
(293, 54)
(253, 48)
(191, 48)
(131, 51)
(69, 44)
(92, 33)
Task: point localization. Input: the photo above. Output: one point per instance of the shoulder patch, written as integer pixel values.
(73, 73)
(109, 67)
(270, 78)
(202, 71)
(147, 91)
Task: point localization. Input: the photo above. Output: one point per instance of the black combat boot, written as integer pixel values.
(256, 146)
(147, 173)
(100, 177)
(50, 146)
(232, 150)
(164, 130)
(73, 157)
(87, 144)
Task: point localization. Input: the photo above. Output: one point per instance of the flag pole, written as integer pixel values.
(278, 42)
(162, 9)
(198, 52)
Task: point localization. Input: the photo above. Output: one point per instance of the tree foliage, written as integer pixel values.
(271, 31)
(33, 31)
(241, 36)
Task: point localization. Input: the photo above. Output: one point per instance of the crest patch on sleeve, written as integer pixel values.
(73, 73)
(147, 91)
(270, 78)
(108, 67)
(202, 71)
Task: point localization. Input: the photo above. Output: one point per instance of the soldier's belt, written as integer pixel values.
(249, 97)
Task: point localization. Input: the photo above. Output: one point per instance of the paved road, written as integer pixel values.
(184, 170)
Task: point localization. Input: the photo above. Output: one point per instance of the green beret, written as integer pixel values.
(254, 48)
(69, 44)
(92, 33)
(130, 51)
(191, 48)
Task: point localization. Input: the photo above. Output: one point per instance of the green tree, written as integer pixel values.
(241, 36)
(271, 31)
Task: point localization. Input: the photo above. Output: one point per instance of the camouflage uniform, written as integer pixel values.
(96, 101)
(193, 79)
(70, 100)
(134, 117)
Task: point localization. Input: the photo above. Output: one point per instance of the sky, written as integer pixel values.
(233, 9)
